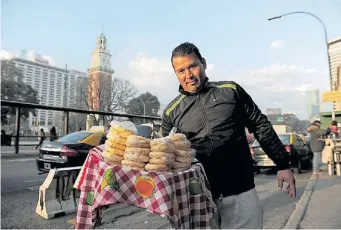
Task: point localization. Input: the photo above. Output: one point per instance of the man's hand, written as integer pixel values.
(288, 177)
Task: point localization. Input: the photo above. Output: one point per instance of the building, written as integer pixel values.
(100, 77)
(273, 111)
(55, 86)
(313, 103)
(335, 63)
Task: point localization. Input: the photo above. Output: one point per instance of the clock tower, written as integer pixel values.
(100, 77)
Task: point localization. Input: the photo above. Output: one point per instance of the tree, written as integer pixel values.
(145, 104)
(110, 98)
(13, 88)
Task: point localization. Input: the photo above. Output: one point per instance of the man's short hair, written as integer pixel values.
(186, 49)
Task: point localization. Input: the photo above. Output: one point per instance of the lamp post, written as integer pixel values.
(144, 105)
(327, 46)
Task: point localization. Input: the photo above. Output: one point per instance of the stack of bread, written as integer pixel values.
(115, 145)
(184, 155)
(137, 152)
(161, 156)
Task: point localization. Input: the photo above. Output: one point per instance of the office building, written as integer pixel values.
(55, 86)
(313, 103)
(335, 65)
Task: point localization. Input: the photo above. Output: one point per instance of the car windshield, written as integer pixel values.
(74, 137)
(285, 138)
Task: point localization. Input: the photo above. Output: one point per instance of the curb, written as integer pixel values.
(301, 206)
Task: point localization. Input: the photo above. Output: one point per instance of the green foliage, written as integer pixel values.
(145, 103)
(14, 89)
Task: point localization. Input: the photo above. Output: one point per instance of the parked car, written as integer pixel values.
(70, 150)
(300, 155)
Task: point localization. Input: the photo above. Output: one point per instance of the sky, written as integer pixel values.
(275, 61)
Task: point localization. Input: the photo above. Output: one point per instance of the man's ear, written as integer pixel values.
(203, 61)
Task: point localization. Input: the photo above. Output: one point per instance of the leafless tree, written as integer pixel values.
(108, 97)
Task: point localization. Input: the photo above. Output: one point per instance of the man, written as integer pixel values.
(316, 145)
(213, 116)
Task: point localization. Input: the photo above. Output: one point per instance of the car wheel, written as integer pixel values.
(299, 167)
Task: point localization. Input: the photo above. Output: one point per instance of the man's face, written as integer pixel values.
(190, 71)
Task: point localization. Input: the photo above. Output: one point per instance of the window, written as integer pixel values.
(74, 137)
(285, 138)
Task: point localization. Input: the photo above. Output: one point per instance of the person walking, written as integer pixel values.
(42, 137)
(316, 144)
(213, 116)
(333, 129)
(53, 134)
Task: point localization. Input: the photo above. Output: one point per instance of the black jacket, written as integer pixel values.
(214, 120)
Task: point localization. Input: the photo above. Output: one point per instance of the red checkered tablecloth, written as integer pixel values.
(173, 197)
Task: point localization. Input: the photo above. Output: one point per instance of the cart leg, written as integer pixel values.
(96, 217)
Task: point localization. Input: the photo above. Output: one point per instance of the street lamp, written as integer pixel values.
(327, 46)
(144, 105)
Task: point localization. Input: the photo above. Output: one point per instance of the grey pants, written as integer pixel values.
(238, 212)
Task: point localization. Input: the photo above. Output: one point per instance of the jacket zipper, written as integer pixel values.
(207, 128)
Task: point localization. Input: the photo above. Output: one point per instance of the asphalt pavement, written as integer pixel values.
(19, 194)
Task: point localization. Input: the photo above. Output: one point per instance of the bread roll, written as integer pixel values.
(162, 161)
(162, 144)
(160, 155)
(177, 137)
(114, 145)
(156, 168)
(116, 139)
(112, 157)
(182, 145)
(139, 151)
(135, 157)
(183, 153)
(187, 160)
(138, 141)
(132, 163)
(114, 151)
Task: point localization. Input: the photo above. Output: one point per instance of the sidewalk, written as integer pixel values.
(324, 208)
(319, 206)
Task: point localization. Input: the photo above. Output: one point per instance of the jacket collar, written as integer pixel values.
(203, 89)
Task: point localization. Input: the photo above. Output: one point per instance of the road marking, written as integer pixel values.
(19, 160)
(29, 181)
(33, 188)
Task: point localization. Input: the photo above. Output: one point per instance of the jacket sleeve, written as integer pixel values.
(166, 125)
(263, 131)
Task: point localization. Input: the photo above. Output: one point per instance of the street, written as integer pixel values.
(19, 194)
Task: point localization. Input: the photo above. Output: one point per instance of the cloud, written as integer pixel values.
(277, 44)
(277, 85)
(5, 55)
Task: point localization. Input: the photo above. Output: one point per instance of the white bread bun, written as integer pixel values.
(156, 168)
(139, 151)
(138, 141)
(133, 163)
(160, 155)
(135, 157)
(182, 145)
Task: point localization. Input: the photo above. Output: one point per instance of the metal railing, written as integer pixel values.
(21, 105)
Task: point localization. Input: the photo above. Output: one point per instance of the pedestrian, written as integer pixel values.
(213, 116)
(333, 129)
(317, 144)
(53, 134)
(42, 137)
